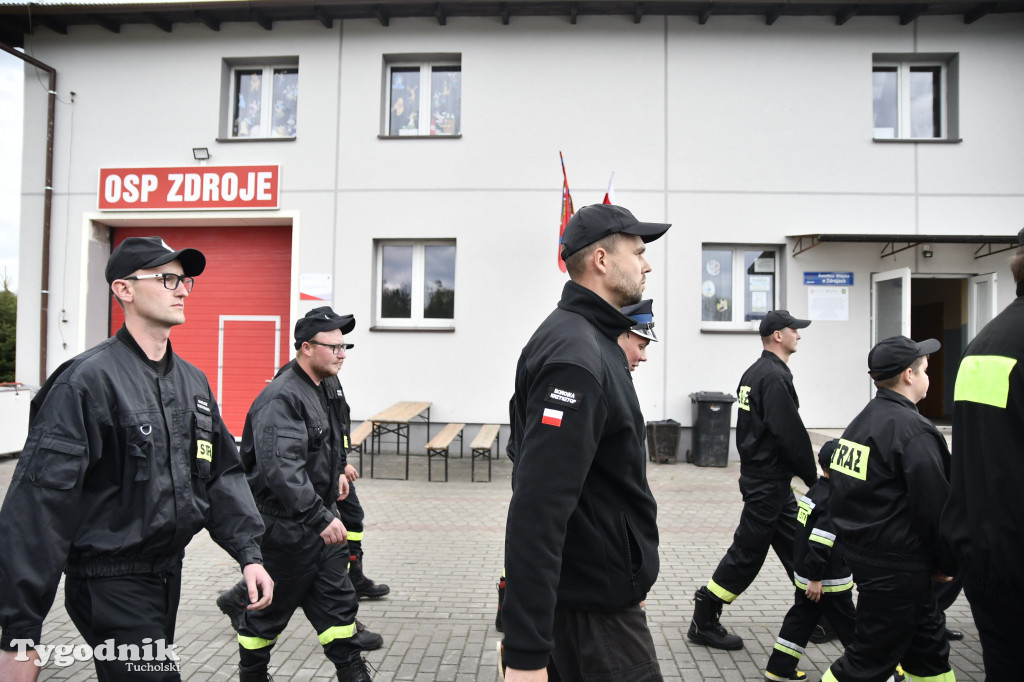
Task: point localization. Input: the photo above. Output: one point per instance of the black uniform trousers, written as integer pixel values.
(1001, 631)
(898, 623)
(799, 624)
(768, 520)
(306, 573)
(601, 646)
(350, 511)
(127, 609)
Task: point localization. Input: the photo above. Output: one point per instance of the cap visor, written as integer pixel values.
(648, 231)
(799, 324)
(193, 262)
(927, 347)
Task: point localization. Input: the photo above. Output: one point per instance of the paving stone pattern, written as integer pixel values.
(439, 546)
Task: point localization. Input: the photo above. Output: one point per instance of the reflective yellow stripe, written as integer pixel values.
(786, 650)
(255, 642)
(947, 676)
(355, 537)
(826, 539)
(722, 593)
(337, 632)
(828, 676)
(984, 379)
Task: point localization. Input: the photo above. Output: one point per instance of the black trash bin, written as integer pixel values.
(711, 417)
(663, 441)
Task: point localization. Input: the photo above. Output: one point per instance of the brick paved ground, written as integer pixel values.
(439, 546)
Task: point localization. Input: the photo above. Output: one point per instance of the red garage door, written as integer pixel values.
(236, 327)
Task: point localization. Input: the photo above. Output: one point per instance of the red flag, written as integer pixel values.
(566, 211)
(609, 196)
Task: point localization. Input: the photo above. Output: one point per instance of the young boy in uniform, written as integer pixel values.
(823, 580)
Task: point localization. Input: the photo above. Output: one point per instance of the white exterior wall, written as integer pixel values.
(734, 131)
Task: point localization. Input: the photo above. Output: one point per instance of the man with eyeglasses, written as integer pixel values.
(126, 460)
(292, 454)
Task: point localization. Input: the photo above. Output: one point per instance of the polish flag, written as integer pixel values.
(609, 195)
(552, 417)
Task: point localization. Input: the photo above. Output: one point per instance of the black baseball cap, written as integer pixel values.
(597, 221)
(322, 319)
(780, 319)
(139, 253)
(825, 454)
(643, 313)
(891, 356)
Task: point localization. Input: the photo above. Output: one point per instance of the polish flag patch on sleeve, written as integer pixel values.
(551, 417)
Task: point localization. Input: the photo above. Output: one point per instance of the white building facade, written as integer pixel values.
(858, 170)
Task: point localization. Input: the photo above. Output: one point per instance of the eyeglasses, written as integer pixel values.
(171, 280)
(336, 348)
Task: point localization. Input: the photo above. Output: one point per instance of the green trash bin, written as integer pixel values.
(712, 414)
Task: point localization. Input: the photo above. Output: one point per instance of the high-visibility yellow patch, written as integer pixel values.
(851, 459)
(743, 400)
(345, 440)
(803, 513)
(204, 450)
(252, 643)
(984, 379)
(337, 632)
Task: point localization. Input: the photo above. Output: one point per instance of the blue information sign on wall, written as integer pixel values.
(843, 279)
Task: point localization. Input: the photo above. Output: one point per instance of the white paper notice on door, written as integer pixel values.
(828, 303)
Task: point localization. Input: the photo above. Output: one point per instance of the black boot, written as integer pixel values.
(501, 600)
(260, 675)
(365, 588)
(705, 628)
(354, 671)
(232, 603)
(365, 640)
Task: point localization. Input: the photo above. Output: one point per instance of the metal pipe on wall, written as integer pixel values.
(51, 107)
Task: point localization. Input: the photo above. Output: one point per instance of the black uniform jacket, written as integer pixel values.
(122, 466)
(983, 522)
(889, 484)
(770, 436)
(288, 449)
(816, 556)
(582, 523)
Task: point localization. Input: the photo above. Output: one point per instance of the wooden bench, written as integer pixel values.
(439, 444)
(358, 437)
(481, 447)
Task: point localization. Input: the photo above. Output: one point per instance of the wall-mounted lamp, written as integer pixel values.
(200, 153)
(926, 251)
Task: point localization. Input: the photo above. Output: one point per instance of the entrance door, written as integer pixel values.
(982, 303)
(890, 304)
(248, 356)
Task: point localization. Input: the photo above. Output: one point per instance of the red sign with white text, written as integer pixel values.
(189, 188)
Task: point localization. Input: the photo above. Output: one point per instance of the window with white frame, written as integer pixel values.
(422, 95)
(415, 284)
(915, 96)
(263, 100)
(738, 285)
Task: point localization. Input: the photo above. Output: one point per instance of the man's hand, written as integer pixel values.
(513, 675)
(13, 670)
(813, 590)
(335, 533)
(342, 487)
(351, 473)
(257, 580)
(940, 577)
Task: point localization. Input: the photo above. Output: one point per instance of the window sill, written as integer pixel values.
(916, 140)
(457, 136)
(729, 330)
(411, 329)
(256, 139)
